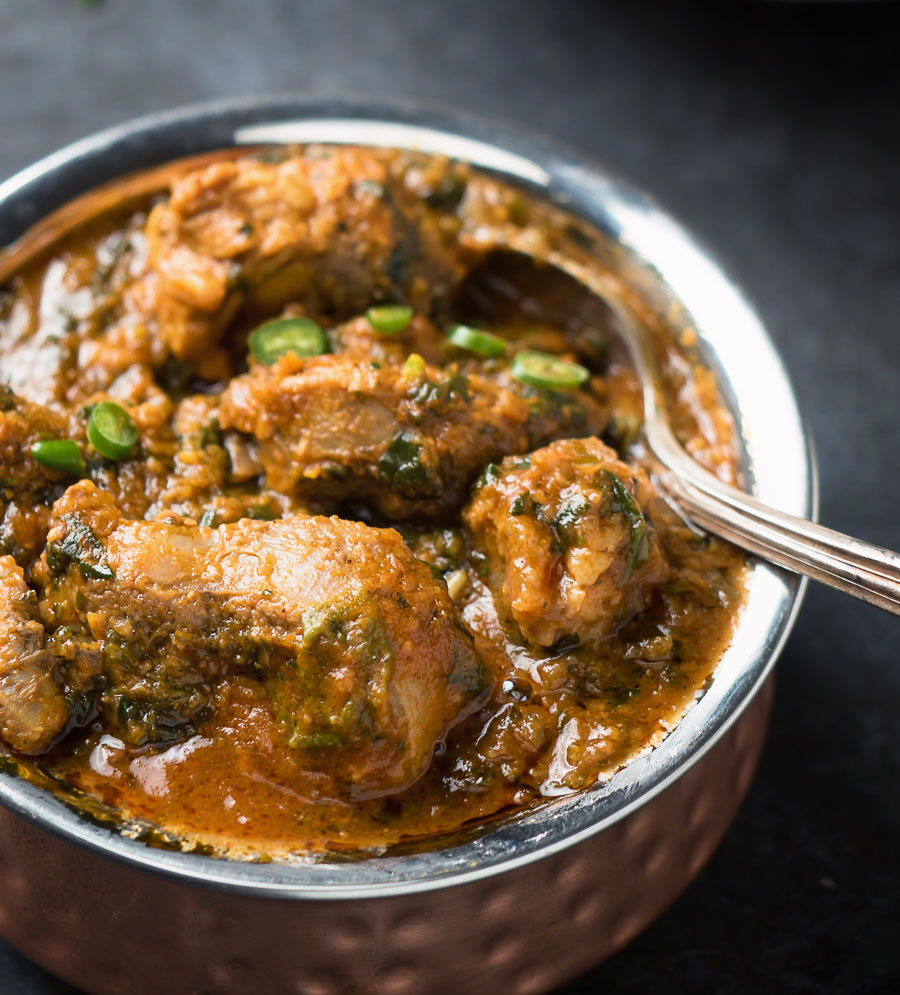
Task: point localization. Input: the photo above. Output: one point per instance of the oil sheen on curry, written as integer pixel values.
(323, 521)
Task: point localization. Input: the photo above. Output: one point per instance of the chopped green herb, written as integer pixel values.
(474, 340)
(389, 319)
(111, 430)
(566, 524)
(168, 713)
(346, 638)
(320, 740)
(211, 435)
(82, 705)
(639, 546)
(435, 572)
(174, 375)
(402, 468)
(274, 339)
(80, 546)
(596, 344)
(619, 694)
(540, 369)
(446, 196)
(623, 431)
(261, 513)
(525, 504)
(489, 475)
(59, 454)
(209, 519)
(452, 386)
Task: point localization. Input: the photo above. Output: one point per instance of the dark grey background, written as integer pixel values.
(774, 131)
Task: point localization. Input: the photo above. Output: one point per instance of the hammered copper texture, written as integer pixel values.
(111, 930)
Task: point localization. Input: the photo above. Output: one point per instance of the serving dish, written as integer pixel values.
(579, 876)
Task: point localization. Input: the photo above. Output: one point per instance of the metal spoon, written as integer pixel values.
(866, 571)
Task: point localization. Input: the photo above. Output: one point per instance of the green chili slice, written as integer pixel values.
(389, 319)
(474, 340)
(111, 431)
(59, 454)
(540, 369)
(274, 339)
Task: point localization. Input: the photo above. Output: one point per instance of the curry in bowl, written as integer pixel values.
(325, 524)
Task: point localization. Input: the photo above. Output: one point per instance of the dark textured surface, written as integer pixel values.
(773, 131)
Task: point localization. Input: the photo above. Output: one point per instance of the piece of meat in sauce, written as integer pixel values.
(407, 440)
(356, 642)
(571, 552)
(332, 227)
(33, 711)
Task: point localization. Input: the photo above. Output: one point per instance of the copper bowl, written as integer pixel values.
(536, 898)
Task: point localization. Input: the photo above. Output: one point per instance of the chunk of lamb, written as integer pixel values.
(356, 642)
(570, 548)
(33, 711)
(331, 227)
(406, 440)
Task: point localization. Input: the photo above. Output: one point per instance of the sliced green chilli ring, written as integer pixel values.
(111, 431)
(474, 340)
(274, 339)
(389, 319)
(59, 454)
(540, 369)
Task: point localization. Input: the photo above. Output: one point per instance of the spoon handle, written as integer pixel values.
(861, 569)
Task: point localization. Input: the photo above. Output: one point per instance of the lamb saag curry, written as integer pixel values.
(317, 532)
